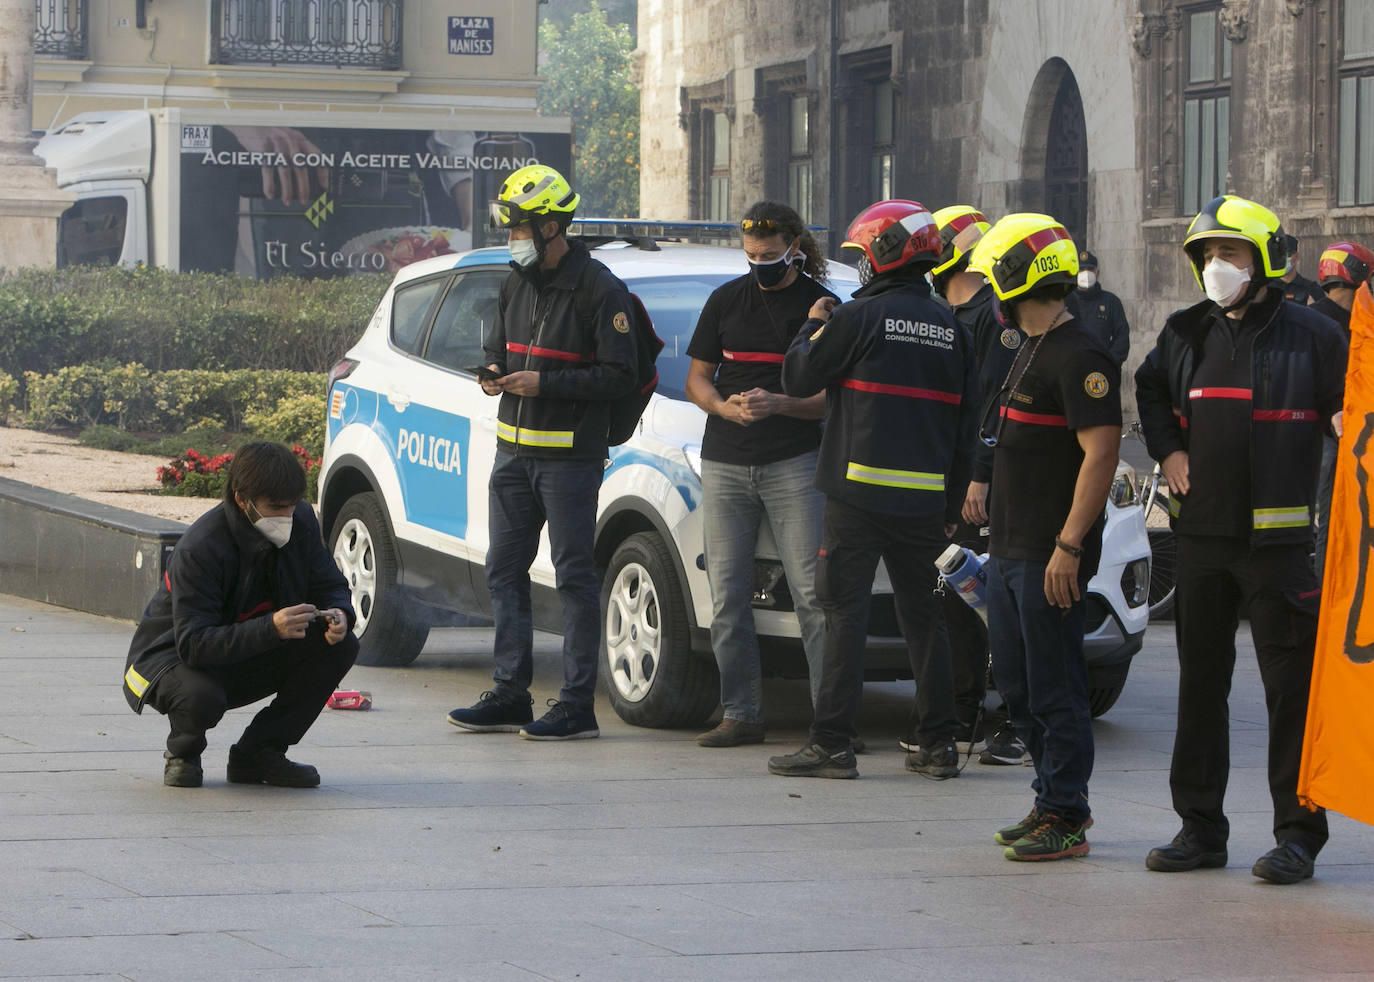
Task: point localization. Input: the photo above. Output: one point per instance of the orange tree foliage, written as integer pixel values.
(587, 77)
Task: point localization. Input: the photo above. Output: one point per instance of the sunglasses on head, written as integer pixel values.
(759, 226)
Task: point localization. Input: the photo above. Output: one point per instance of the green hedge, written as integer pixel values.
(50, 319)
(283, 404)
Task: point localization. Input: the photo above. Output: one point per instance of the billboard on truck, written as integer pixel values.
(314, 201)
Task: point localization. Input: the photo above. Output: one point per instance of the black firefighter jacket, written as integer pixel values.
(223, 582)
(572, 325)
(1297, 377)
(902, 393)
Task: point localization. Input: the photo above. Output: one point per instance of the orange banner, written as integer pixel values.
(1338, 749)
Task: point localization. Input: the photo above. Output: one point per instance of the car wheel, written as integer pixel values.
(1163, 549)
(1104, 687)
(652, 676)
(390, 627)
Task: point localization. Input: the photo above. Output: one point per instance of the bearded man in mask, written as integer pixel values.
(1234, 400)
(251, 605)
(758, 455)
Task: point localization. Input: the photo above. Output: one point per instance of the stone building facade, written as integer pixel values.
(1119, 117)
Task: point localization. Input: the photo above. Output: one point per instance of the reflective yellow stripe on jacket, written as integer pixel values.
(1281, 518)
(137, 683)
(534, 438)
(888, 478)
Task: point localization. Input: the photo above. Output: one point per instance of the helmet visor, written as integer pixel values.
(506, 214)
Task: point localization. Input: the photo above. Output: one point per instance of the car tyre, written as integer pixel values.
(391, 628)
(1105, 685)
(651, 674)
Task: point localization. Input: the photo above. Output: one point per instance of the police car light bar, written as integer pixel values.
(645, 228)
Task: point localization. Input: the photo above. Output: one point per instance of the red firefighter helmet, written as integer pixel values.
(1345, 264)
(892, 234)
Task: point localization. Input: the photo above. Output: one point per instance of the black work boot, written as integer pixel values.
(268, 765)
(181, 772)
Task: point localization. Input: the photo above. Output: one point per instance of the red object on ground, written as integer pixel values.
(349, 699)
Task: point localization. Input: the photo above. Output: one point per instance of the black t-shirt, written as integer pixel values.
(1061, 382)
(1218, 418)
(745, 332)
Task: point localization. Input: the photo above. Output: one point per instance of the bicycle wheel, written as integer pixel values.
(1163, 552)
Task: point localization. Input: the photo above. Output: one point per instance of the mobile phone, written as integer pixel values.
(323, 620)
(483, 373)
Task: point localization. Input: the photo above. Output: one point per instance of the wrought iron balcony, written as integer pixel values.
(338, 33)
(59, 30)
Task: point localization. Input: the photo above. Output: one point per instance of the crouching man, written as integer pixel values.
(251, 606)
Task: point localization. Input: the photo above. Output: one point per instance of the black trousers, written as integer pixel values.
(852, 542)
(1218, 580)
(302, 674)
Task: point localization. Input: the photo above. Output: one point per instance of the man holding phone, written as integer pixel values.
(251, 605)
(557, 372)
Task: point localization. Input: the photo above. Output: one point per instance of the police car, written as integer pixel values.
(410, 442)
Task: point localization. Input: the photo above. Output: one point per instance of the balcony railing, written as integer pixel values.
(59, 30)
(338, 33)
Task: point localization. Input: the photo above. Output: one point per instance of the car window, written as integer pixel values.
(465, 319)
(410, 309)
(675, 303)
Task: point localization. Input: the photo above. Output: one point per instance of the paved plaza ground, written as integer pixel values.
(429, 853)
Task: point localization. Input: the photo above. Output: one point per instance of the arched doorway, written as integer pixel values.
(1054, 150)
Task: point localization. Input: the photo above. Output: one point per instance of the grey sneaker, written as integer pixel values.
(939, 761)
(813, 760)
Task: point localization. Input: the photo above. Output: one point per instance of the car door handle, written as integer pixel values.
(398, 399)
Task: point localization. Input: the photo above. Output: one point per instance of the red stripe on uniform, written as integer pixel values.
(1037, 419)
(260, 609)
(1219, 393)
(764, 356)
(906, 391)
(539, 352)
(1286, 415)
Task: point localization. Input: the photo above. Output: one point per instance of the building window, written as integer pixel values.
(884, 125)
(718, 182)
(1355, 170)
(799, 155)
(1206, 110)
(59, 29)
(865, 134)
(341, 33)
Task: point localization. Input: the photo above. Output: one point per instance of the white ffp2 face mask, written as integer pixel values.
(524, 251)
(1223, 282)
(1086, 279)
(276, 530)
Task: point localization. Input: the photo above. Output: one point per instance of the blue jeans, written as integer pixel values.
(736, 500)
(1037, 659)
(524, 493)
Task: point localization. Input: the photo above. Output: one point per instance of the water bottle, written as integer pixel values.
(962, 570)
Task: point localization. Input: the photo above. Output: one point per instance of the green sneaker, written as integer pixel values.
(1053, 838)
(1008, 835)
